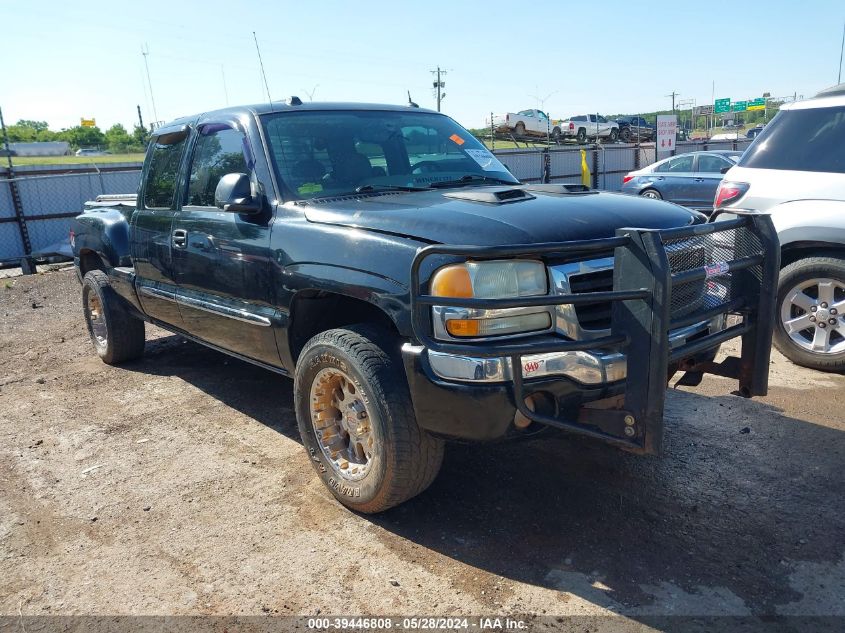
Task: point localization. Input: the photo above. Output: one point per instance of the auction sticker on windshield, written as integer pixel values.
(485, 160)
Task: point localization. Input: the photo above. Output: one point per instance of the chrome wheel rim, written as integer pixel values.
(812, 315)
(342, 424)
(650, 194)
(96, 319)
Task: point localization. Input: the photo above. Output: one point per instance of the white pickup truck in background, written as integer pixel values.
(525, 123)
(589, 126)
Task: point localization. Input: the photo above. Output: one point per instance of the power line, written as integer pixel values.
(146, 51)
(261, 64)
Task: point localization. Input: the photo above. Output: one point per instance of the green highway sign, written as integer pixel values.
(722, 105)
(739, 106)
(757, 104)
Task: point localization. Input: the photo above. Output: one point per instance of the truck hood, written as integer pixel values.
(548, 214)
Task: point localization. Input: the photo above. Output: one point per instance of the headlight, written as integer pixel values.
(490, 280)
(497, 279)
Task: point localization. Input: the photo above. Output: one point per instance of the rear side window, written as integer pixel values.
(679, 164)
(708, 163)
(801, 140)
(220, 150)
(162, 174)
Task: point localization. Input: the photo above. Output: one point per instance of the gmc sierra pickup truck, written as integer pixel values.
(415, 290)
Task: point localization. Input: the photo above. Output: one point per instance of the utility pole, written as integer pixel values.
(146, 51)
(439, 85)
(673, 95)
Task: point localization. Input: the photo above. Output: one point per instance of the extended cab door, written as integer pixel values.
(152, 222)
(221, 259)
(542, 123)
(604, 126)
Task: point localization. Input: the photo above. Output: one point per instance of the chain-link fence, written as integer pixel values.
(37, 203)
(608, 163)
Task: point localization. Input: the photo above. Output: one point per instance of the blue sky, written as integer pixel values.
(73, 60)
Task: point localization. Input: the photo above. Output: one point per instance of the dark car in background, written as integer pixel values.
(687, 179)
(753, 132)
(635, 128)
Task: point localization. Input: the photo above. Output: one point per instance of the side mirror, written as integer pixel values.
(724, 170)
(234, 195)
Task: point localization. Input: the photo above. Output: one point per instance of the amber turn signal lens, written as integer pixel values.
(463, 327)
(452, 281)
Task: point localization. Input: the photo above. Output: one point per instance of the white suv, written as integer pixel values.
(795, 170)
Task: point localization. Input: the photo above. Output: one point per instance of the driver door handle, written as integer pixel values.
(180, 238)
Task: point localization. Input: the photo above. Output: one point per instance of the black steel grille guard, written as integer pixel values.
(641, 316)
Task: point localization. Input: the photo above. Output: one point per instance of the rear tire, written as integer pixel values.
(519, 129)
(625, 135)
(614, 134)
(812, 287)
(581, 137)
(654, 194)
(357, 421)
(117, 334)
(556, 134)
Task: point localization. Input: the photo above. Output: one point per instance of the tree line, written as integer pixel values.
(116, 139)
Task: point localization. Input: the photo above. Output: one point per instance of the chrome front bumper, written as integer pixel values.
(588, 367)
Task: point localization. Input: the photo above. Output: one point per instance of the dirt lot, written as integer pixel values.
(177, 485)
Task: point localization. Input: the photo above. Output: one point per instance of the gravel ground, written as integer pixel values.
(177, 485)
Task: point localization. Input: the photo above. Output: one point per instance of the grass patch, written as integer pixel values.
(77, 160)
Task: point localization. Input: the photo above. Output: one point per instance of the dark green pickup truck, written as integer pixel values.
(415, 290)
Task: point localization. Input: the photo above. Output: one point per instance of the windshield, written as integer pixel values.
(332, 153)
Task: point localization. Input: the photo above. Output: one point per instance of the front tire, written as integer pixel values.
(614, 134)
(625, 135)
(810, 320)
(357, 421)
(117, 335)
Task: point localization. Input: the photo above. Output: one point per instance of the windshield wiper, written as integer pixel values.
(468, 179)
(369, 188)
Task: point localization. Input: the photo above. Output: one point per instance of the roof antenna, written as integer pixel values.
(411, 103)
(263, 74)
